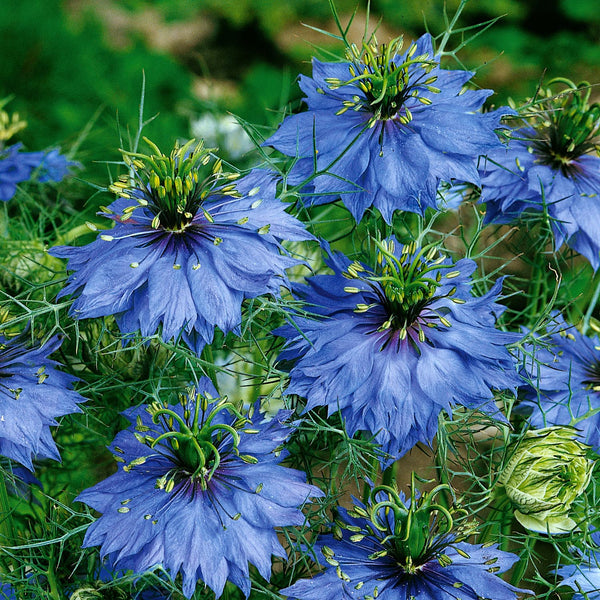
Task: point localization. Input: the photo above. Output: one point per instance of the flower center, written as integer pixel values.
(411, 533)
(404, 286)
(567, 129)
(173, 187)
(592, 381)
(386, 82)
(196, 445)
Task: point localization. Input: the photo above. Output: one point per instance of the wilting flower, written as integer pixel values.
(547, 471)
(33, 393)
(385, 128)
(392, 346)
(551, 164)
(395, 550)
(564, 377)
(189, 245)
(199, 491)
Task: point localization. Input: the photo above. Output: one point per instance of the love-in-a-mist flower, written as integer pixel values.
(584, 575)
(189, 245)
(394, 344)
(199, 491)
(385, 128)
(33, 394)
(564, 376)
(391, 549)
(17, 167)
(551, 164)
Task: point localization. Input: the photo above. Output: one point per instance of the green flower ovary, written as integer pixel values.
(385, 84)
(173, 187)
(404, 285)
(420, 530)
(568, 128)
(195, 443)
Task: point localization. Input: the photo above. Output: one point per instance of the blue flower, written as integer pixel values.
(387, 127)
(17, 167)
(13, 170)
(395, 550)
(49, 166)
(564, 373)
(33, 393)
(392, 347)
(199, 491)
(187, 248)
(584, 576)
(553, 165)
(7, 592)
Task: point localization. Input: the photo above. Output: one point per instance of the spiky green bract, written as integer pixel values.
(33, 394)
(390, 346)
(199, 491)
(390, 549)
(385, 128)
(564, 377)
(551, 164)
(189, 245)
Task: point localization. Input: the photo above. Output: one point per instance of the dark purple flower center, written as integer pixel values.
(174, 187)
(568, 128)
(386, 82)
(410, 535)
(404, 287)
(592, 380)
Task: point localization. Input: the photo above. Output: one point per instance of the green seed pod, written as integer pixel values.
(548, 469)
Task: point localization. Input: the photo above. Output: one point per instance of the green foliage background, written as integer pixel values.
(71, 63)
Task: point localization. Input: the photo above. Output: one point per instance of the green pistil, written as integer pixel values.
(421, 531)
(173, 187)
(568, 128)
(195, 443)
(385, 83)
(403, 285)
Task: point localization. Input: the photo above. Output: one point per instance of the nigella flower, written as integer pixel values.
(584, 576)
(7, 591)
(17, 167)
(552, 164)
(385, 128)
(396, 550)
(199, 491)
(189, 245)
(393, 346)
(564, 377)
(13, 170)
(33, 393)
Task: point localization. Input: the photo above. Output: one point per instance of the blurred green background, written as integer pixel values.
(75, 66)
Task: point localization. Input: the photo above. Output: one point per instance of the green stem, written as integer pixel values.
(51, 577)
(209, 364)
(388, 476)
(523, 563)
(7, 534)
(590, 310)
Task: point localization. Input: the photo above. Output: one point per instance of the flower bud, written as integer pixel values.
(548, 469)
